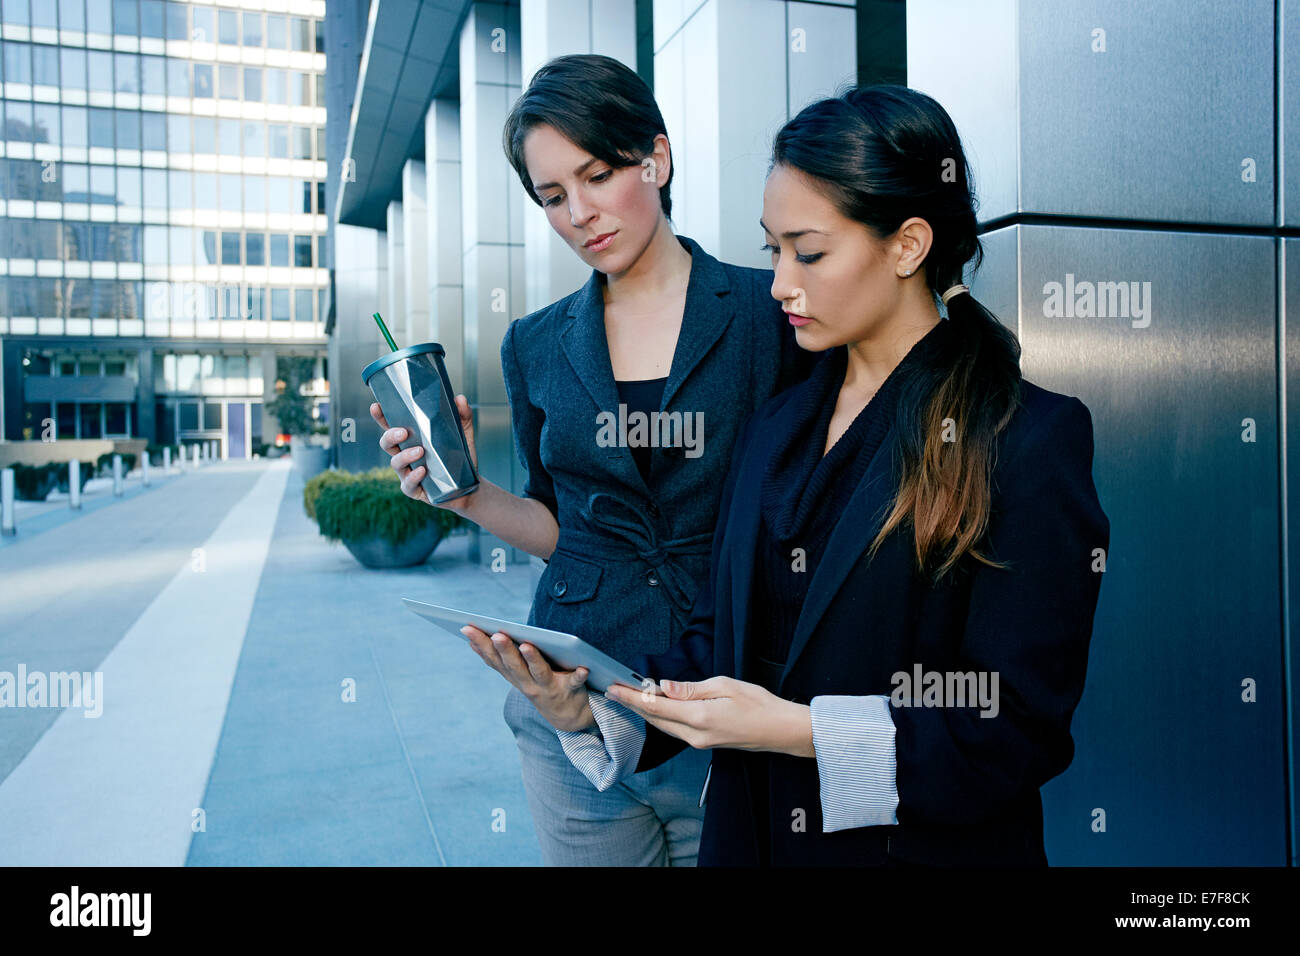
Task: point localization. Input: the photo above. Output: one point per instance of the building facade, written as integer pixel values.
(163, 230)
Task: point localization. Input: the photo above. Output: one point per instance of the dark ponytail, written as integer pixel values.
(884, 154)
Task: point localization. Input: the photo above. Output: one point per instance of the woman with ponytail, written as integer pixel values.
(893, 637)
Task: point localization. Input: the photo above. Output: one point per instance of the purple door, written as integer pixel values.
(235, 430)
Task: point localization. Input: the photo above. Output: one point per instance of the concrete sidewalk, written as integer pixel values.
(265, 698)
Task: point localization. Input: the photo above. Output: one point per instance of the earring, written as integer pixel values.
(907, 273)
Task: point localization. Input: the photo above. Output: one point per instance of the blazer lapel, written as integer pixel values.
(850, 538)
(709, 310)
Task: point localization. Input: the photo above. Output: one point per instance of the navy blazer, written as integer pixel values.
(968, 786)
(632, 554)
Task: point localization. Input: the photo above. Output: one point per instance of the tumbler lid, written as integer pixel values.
(398, 356)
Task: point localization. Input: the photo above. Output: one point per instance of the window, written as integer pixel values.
(255, 249)
(277, 140)
(178, 78)
(177, 25)
(178, 133)
(279, 305)
(279, 249)
(101, 128)
(230, 249)
(276, 36)
(254, 194)
(320, 38)
(302, 306)
(89, 415)
(45, 65)
(205, 134)
(128, 129)
(128, 186)
(74, 126)
(277, 86)
(124, 17)
(155, 188)
(205, 191)
(302, 143)
(300, 87)
(76, 246)
(151, 18)
(18, 63)
(115, 418)
(99, 70)
(301, 34)
(45, 123)
(153, 75)
(99, 18)
(155, 245)
(72, 15)
(252, 29)
(320, 202)
(228, 26)
(303, 198)
(16, 12)
(256, 298)
(153, 130)
(203, 78)
(180, 243)
(229, 77)
(302, 251)
(76, 181)
(254, 140)
(202, 31)
(73, 62)
(102, 190)
(231, 188)
(207, 247)
(18, 121)
(127, 71)
(228, 130)
(252, 84)
(189, 411)
(179, 186)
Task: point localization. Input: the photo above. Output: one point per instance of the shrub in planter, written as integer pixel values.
(83, 475)
(34, 482)
(332, 476)
(104, 464)
(378, 524)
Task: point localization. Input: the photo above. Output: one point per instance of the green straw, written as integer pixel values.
(383, 328)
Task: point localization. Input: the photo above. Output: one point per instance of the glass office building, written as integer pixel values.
(163, 237)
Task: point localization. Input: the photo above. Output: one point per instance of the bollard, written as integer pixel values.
(117, 475)
(196, 454)
(7, 501)
(167, 461)
(144, 469)
(74, 485)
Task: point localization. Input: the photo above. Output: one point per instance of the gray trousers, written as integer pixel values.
(649, 819)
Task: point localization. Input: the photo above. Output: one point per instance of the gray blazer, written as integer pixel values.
(632, 554)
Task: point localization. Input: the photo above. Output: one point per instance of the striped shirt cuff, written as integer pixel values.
(853, 738)
(609, 751)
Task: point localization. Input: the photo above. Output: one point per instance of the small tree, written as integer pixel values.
(291, 408)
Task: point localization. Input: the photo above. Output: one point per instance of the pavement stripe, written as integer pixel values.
(121, 789)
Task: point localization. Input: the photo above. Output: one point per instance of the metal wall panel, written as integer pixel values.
(1185, 772)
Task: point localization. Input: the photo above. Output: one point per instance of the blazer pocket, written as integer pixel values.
(572, 579)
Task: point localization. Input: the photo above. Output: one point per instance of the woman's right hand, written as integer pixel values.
(403, 461)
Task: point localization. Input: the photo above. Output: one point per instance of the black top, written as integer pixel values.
(643, 395)
(803, 496)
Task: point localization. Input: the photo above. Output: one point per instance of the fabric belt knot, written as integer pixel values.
(616, 516)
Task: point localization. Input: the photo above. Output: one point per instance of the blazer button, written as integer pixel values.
(652, 579)
(558, 588)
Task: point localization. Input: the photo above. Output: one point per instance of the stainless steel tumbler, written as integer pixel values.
(414, 392)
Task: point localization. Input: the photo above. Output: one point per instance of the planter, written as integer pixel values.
(308, 460)
(376, 552)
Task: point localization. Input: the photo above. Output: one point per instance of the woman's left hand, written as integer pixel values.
(723, 712)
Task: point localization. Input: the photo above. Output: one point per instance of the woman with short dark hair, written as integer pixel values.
(626, 398)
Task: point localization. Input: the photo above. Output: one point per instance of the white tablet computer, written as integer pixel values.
(562, 650)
